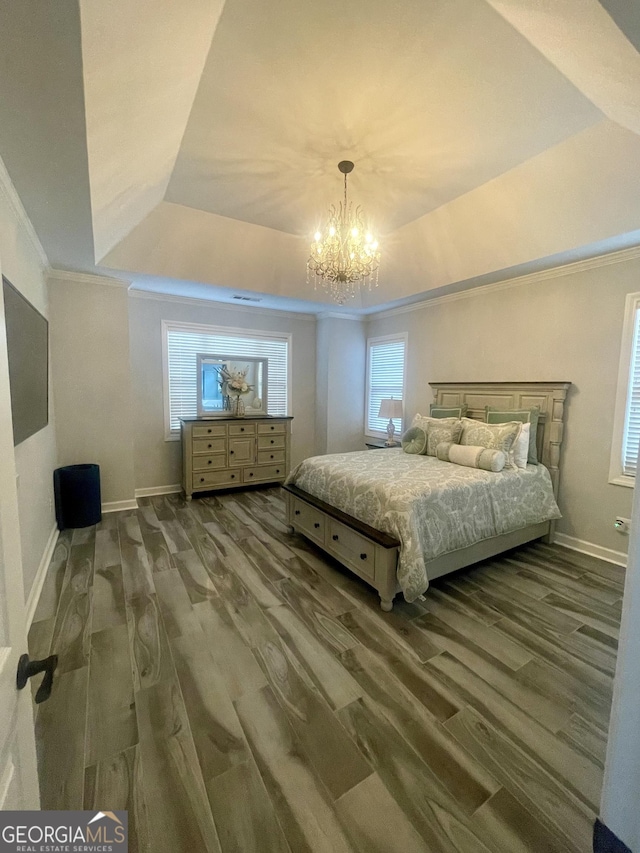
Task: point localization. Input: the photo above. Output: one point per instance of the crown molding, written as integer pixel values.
(86, 278)
(572, 268)
(10, 195)
(336, 315)
(222, 306)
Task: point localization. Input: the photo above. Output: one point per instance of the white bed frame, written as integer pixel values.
(373, 555)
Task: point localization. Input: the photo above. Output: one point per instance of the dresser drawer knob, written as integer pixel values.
(363, 556)
(233, 476)
(272, 427)
(251, 473)
(209, 461)
(277, 470)
(272, 456)
(209, 431)
(316, 524)
(209, 446)
(272, 441)
(231, 452)
(241, 429)
(296, 512)
(202, 479)
(335, 537)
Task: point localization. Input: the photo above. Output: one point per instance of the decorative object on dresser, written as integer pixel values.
(231, 385)
(224, 453)
(390, 409)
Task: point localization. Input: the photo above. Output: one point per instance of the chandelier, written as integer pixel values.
(345, 255)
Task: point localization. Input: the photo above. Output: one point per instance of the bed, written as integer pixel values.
(399, 521)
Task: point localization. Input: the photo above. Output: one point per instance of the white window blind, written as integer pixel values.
(385, 372)
(631, 435)
(183, 342)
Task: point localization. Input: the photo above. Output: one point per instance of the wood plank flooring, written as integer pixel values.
(235, 690)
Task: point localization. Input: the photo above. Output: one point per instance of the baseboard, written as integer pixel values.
(158, 490)
(605, 841)
(607, 554)
(38, 581)
(118, 506)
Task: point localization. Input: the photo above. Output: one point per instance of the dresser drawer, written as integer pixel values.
(212, 431)
(242, 429)
(266, 442)
(209, 446)
(264, 473)
(356, 551)
(209, 463)
(309, 520)
(269, 428)
(212, 479)
(267, 456)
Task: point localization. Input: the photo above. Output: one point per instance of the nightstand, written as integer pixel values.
(374, 444)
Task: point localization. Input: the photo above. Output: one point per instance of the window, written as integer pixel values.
(183, 341)
(385, 379)
(626, 434)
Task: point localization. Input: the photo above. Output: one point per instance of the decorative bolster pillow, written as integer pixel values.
(471, 457)
(414, 440)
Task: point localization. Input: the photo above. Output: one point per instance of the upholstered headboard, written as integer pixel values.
(548, 396)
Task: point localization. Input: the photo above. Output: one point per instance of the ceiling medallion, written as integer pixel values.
(345, 256)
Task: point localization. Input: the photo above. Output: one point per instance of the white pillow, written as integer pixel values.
(521, 447)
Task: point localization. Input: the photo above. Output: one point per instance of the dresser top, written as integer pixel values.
(229, 418)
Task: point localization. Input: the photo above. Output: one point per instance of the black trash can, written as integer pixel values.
(77, 494)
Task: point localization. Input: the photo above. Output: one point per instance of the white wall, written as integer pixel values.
(562, 328)
(92, 380)
(158, 462)
(23, 262)
(621, 785)
(340, 384)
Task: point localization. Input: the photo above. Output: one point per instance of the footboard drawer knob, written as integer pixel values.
(316, 524)
(335, 537)
(296, 512)
(363, 556)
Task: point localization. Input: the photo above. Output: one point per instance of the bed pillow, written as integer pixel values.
(440, 431)
(472, 457)
(424, 421)
(492, 436)
(436, 411)
(494, 415)
(521, 447)
(414, 440)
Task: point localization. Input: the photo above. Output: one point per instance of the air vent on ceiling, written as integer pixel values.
(247, 298)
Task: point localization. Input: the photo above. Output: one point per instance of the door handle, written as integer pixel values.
(28, 668)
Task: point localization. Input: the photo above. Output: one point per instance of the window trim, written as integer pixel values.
(617, 477)
(399, 336)
(224, 331)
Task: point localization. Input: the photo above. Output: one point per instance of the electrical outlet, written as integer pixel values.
(622, 525)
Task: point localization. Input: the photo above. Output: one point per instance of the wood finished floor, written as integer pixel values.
(237, 691)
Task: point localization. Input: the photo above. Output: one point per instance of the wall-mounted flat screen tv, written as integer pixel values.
(28, 349)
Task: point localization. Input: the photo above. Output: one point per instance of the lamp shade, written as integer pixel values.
(390, 408)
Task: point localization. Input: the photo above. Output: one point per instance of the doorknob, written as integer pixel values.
(27, 668)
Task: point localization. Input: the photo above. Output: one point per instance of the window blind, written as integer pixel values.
(631, 437)
(386, 380)
(182, 346)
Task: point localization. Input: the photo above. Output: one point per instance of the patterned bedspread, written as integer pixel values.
(431, 507)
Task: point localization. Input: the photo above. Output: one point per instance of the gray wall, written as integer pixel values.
(563, 328)
(35, 458)
(92, 380)
(340, 389)
(158, 462)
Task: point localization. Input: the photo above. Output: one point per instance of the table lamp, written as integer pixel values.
(390, 409)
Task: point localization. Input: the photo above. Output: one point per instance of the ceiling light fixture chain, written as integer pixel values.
(345, 257)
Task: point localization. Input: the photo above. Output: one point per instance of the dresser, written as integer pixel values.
(223, 453)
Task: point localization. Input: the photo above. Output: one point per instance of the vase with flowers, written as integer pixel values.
(234, 385)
